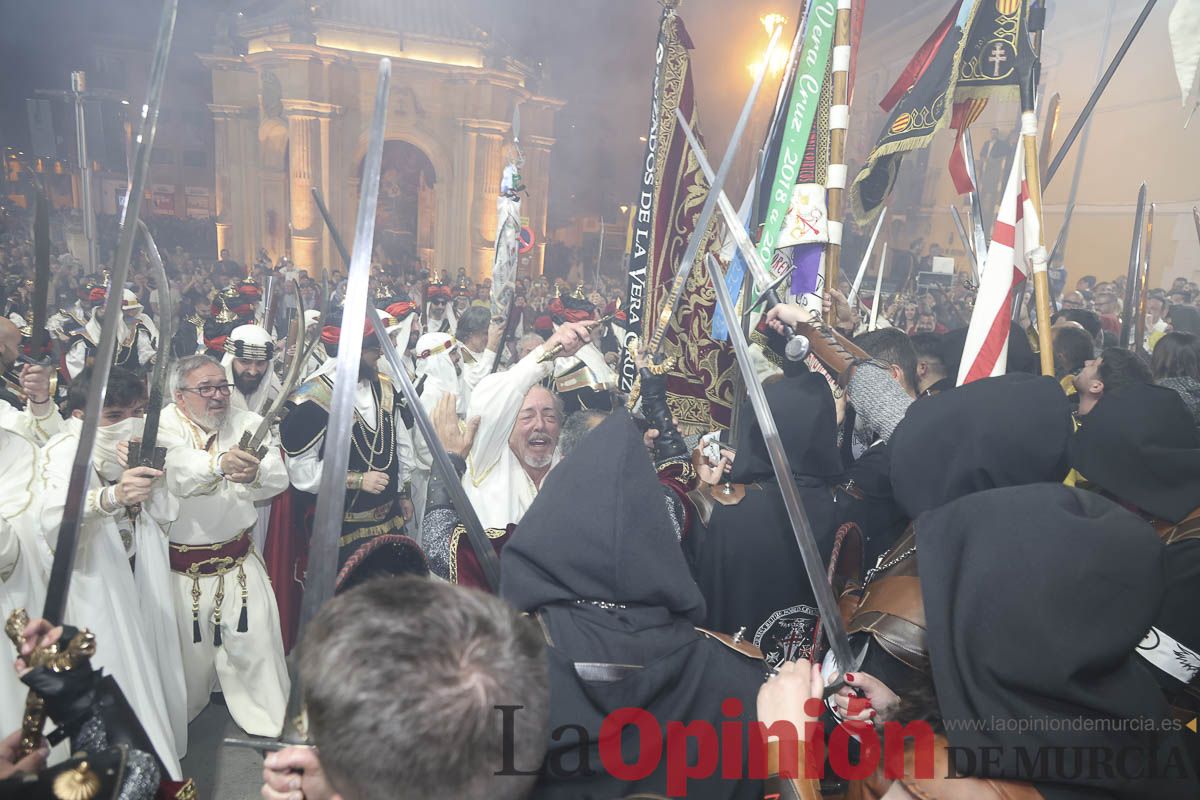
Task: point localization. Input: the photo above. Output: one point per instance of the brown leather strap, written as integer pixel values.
(739, 645)
(1187, 530)
(831, 348)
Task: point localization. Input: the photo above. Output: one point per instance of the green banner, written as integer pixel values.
(806, 95)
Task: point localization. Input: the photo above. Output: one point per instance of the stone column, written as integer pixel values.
(227, 161)
(308, 158)
(537, 177)
(491, 138)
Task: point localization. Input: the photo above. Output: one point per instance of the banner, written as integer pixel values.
(643, 217)
(920, 113)
(802, 110)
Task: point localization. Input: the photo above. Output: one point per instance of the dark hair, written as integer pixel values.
(475, 319)
(928, 346)
(402, 679)
(1184, 318)
(1090, 320)
(893, 346)
(1120, 368)
(1090, 280)
(1177, 355)
(1184, 293)
(1072, 348)
(124, 389)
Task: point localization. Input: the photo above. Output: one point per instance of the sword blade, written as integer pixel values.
(1139, 313)
(1086, 114)
(862, 268)
(968, 245)
(1053, 112)
(485, 554)
(684, 269)
(39, 339)
(166, 329)
(1135, 266)
(331, 500)
(831, 618)
(81, 470)
(979, 236)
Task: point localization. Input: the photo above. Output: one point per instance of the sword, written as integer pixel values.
(37, 350)
(553, 352)
(485, 554)
(331, 499)
(1135, 266)
(797, 346)
(967, 245)
(1086, 114)
(1196, 220)
(145, 452)
(1053, 112)
(715, 187)
(980, 237)
(81, 469)
(253, 442)
(862, 268)
(831, 618)
(1139, 327)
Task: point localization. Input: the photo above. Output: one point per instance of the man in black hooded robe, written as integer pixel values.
(748, 564)
(1139, 447)
(596, 562)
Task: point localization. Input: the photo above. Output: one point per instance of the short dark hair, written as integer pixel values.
(928, 346)
(1090, 280)
(475, 319)
(893, 346)
(402, 678)
(1090, 320)
(1121, 368)
(124, 389)
(1177, 355)
(1073, 347)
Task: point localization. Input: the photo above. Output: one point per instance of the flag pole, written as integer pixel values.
(1033, 181)
(839, 122)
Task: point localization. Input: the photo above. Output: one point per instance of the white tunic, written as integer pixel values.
(248, 666)
(30, 426)
(495, 482)
(129, 616)
(24, 558)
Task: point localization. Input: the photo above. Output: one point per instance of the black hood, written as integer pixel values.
(1004, 431)
(1141, 446)
(599, 530)
(804, 413)
(1036, 598)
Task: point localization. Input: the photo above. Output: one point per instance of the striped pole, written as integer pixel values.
(839, 121)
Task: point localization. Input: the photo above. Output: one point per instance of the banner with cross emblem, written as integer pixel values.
(997, 51)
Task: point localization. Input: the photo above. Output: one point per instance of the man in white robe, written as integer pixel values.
(517, 441)
(39, 420)
(249, 351)
(132, 616)
(439, 372)
(226, 612)
(478, 337)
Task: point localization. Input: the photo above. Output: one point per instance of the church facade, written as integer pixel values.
(293, 91)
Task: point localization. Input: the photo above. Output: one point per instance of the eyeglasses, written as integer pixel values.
(209, 392)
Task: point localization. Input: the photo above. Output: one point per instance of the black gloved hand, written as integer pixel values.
(669, 445)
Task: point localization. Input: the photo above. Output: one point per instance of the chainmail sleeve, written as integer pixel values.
(878, 400)
(437, 527)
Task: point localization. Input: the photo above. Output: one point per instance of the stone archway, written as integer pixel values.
(405, 218)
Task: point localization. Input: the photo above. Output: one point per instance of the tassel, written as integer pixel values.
(196, 637)
(217, 635)
(244, 617)
(218, 600)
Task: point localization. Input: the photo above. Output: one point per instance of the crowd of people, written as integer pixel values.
(1021, 551)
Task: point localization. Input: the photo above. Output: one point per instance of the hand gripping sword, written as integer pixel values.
(81, 469)
(485, 554)
(831, 618)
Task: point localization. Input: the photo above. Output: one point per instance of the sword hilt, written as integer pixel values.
(247, 443)
(153, 457)
(58, 657)
(553, 352)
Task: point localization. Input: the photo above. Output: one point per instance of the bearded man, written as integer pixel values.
(377, 499)
(517, 441)
(249, 351)
(227, 618)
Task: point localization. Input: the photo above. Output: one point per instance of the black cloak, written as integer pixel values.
(1003, 431)
(749, 566)
(1036, 598)
(596, 560)
(1140, 445)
